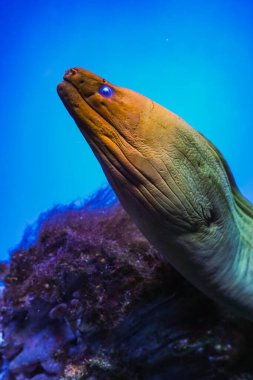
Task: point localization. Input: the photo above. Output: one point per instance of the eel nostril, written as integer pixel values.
(71, 72)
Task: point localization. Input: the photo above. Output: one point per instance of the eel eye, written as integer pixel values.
(106, 91)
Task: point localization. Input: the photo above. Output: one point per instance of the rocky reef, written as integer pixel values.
(87, 297)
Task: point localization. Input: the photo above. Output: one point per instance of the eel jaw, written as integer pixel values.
(91, 123)
(102, 137)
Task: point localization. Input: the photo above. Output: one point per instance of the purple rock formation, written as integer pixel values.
(87, 297)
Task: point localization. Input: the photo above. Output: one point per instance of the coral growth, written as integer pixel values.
(87, 297)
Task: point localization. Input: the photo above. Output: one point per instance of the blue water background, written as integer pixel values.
(194, 57)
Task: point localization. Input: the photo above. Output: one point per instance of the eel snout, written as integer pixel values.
(85, 82)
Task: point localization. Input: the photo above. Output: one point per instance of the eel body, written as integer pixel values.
(173, 182)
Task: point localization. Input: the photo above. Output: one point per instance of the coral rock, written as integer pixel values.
(87, 297)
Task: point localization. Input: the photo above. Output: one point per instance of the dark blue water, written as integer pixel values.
(195, 58)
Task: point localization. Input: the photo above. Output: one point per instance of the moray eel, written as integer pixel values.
(173, 182)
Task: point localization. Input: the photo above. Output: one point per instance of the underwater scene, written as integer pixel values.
(127, 189)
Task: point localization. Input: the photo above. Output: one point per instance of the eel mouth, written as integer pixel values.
(71, 95)
(85, 117)
(75, 91)
(79, 93)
